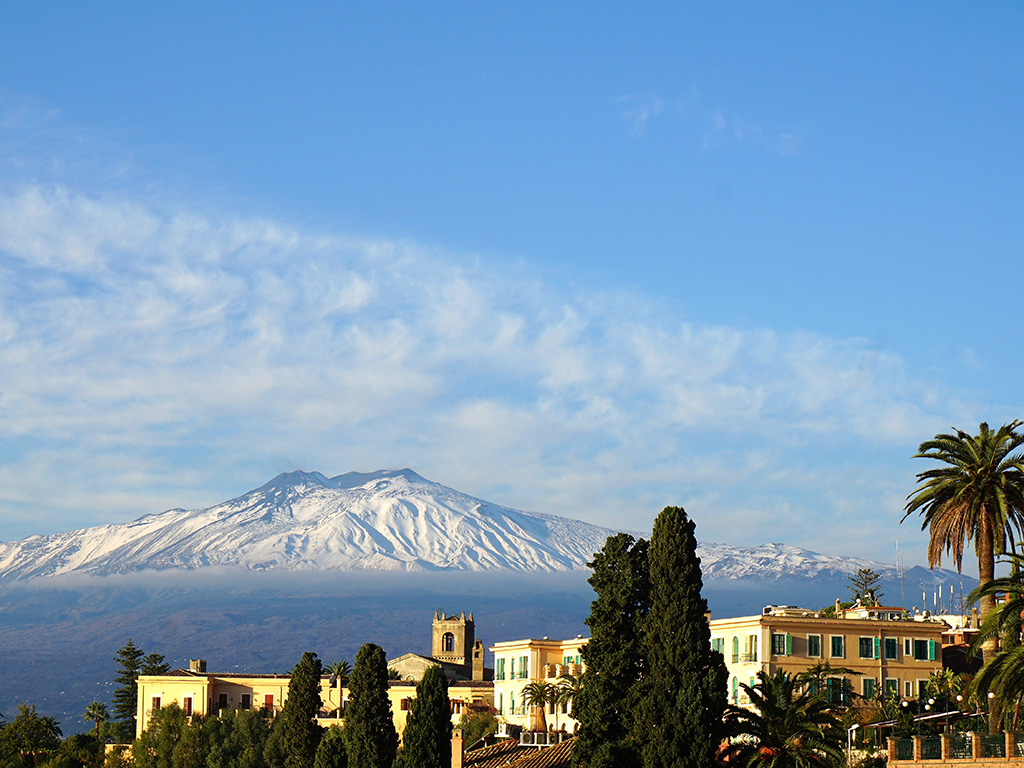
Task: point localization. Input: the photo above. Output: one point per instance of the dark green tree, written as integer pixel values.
(154, 664)
(784, 729)
(30, 736)
(613, 656)
(477, 721)
(243, 740)
(370, 737)
(155, 746)
(681, 697)
(427, 738)
(296, 734)
(866, 581)
(331, 752)
(129, 664)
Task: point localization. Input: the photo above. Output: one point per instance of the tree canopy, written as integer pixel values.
(427, 738)
(370, 737)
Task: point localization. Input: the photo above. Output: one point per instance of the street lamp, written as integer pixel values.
(991, 696)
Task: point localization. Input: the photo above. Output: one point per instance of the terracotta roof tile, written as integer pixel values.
(495, 756)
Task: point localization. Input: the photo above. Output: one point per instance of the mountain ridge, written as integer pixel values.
(386, 520)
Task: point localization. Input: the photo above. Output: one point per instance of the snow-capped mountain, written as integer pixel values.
(385, 520)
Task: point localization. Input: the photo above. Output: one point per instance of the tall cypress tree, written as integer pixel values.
(129, 663)
(681, 698)
(370, 737)
(296, 734)
(613, 656)
(427, 738)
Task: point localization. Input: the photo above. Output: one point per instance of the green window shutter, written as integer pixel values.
(878, 648)
(931, 650)
(789, 644)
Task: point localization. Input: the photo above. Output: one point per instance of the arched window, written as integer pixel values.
(735, 690)
(448, 643)
(735, 649)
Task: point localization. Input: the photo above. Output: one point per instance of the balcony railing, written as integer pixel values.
(748, 656)
(542, 739)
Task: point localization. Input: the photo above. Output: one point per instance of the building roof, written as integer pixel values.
(512, 754)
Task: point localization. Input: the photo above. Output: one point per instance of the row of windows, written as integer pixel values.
(840, 688)
(222, 702)
(867, 647)
(513, 672)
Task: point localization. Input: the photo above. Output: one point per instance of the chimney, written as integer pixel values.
(456, 748)
(839, 610)
(197, 665)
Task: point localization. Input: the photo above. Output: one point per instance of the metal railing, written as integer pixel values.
(904, 749)
(960, 747)
(993, 745)
(931, 748)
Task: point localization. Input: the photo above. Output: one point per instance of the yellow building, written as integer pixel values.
(520, 662)
(200, 693)
(890, 650)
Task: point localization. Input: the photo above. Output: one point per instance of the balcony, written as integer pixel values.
(542, 739)
(748, 656)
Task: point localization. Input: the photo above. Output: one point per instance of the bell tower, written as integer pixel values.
(453, 641)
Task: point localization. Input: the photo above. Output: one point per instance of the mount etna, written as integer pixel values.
(310, 562)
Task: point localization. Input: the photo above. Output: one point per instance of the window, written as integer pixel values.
(501, 700)
(814, 646)
(499, 669)
(908, 647)
(155, 703)
(448, 643)
(718, 644)
(892, 686)
(866, 647)
(735, 690)
(186, 706)
(222, 701)
(908, 688)
(512, 673)
(404, 704)
(749, 648)
(523, 666)
(735, 650)
(838, 690)
(246, 701)
(924, 650)
(922, 689)
(268, 701)
(782, 645)
(868, 688)
(837, 650)
(892, 647)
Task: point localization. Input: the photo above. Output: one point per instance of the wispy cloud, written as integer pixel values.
(638, 110)
(716, 127)
(154, 355)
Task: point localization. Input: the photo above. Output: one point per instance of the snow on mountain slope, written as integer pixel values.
(386, 520)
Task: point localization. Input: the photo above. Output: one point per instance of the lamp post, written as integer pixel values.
(991, 696)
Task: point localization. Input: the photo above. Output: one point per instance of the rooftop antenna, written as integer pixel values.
(899, 575)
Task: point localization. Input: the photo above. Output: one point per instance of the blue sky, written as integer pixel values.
(587, 260)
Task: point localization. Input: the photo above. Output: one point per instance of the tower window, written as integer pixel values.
(448, 643)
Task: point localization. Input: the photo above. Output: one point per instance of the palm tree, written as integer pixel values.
(566, 691)
(539, 694)
(815, 680)
(340, 671)
(785, 730)
(1003, 672)
(979, 495)
(96, 713)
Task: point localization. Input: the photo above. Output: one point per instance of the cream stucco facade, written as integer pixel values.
(890, 650)
(199, 693)
(520, 662)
